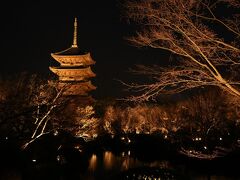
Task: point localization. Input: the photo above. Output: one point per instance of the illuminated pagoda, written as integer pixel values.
(74, 72)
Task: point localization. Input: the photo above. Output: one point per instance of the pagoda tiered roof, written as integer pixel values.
(73, 73)
(73, 56)
(74, 70)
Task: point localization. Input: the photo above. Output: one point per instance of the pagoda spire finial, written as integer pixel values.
(75, 34)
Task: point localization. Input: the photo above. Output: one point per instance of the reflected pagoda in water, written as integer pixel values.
(74, 71)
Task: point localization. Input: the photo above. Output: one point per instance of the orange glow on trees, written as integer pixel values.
(200, 115)
(192, 31)
(32, 106)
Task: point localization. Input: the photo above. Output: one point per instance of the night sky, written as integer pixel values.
(31, 30)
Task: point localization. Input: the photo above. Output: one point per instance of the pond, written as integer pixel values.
(117, 158)
(108, 165)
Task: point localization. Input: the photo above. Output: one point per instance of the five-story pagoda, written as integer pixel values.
(74, 72)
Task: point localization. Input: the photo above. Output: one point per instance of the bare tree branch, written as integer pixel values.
(185, 28)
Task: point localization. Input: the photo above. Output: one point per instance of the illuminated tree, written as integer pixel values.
(28, 102)
(32, 106)
(81, 124)
(205, 45)
(140, 119)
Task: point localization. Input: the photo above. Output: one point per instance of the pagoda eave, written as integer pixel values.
(77, 60)
(74, 74)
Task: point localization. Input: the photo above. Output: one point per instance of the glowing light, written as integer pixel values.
(122, 138)
(220, 139)
(165, 136)
(78, 147)
(205, 147)
(6, 138)
(129, 140)
(55, 133)
(129, 152)
(123, 154)
(58, 158)
(34, 160)
(197, 139)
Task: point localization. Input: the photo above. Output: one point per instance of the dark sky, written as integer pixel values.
(31, 30)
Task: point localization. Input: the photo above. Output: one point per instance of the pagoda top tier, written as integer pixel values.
(70, 52)
(73, 55)
(74, 60)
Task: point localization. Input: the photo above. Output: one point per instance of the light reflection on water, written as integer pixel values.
(92, 163)
(107, 162)
(111, 161)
